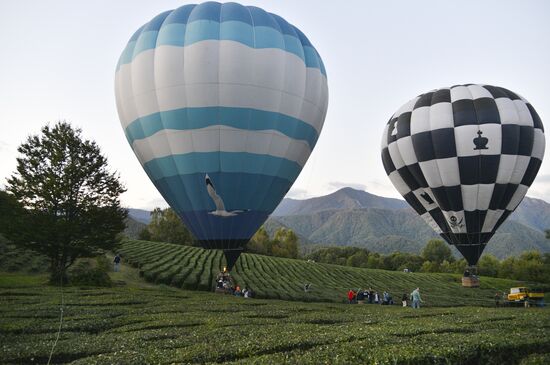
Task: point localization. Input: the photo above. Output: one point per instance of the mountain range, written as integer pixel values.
(350, 217)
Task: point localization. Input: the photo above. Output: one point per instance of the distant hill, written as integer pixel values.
(350, 217)
(343, 199)
(133, 227)
(140, 215)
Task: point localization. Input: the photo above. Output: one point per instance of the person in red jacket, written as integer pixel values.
(351, 295)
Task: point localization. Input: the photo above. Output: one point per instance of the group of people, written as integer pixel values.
(370, 296)
(224, 284)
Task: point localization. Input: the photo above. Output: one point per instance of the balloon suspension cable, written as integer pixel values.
(60, 318)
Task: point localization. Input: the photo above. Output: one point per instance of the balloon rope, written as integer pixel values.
(60, 320)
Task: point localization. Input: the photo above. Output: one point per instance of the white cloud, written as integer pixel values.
(298, 193)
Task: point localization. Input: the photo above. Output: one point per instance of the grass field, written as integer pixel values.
(279, 278)
(138, 323)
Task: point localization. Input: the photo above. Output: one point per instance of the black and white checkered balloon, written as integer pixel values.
(463, 157)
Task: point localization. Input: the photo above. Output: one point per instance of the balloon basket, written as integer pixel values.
(470, 282)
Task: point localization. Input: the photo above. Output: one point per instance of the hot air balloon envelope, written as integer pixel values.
(463, 157)
(222, 105)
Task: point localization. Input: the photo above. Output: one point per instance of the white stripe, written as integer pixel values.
(221, 73)
(524, 114)
(491, 219)
(406, 108)
(476, 197)
(479, 92)
(459, 93)
(395, 155)
(431, 222)
(223, 139)
(517, 197)
(384, 142)
(539, 144)
(399, 183)
(507, 111)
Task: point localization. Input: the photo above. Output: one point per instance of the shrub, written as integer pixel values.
(91, 272)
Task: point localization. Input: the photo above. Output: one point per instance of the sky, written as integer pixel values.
(59, 58)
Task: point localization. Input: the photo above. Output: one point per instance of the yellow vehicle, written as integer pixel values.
(522, 294)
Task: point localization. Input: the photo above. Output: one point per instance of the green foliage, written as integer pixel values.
(90, 272)
(16, 259)
(437, 251)
(430, 266)
(128, 325)
(488, 265)
(284, 243)
(166, 226)
(282, 278)
(67, 195)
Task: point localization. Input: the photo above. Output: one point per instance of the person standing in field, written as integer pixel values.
(117, 262)
(351, 295)
(416, 299)
(404, 299)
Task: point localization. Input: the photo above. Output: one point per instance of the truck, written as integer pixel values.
(526, 295)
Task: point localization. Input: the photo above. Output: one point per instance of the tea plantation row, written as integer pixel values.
(279, 278)
(163, 325)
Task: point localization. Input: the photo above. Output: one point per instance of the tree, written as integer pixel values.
(259, 242)
(488, 265)
(283, 244)
(437, 251)
(430, 266)
(166, 226)
(358, 259)
(69, 199)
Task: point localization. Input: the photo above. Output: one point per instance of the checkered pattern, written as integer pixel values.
(463, 157)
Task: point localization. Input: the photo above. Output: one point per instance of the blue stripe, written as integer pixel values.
(251, 26)
(242, 118)
(238, 32)
(147, 40)
(207, 162)
(239, 191)
(206, 226)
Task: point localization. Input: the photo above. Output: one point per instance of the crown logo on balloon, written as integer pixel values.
(481, 142)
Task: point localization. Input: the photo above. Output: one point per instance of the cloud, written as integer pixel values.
(298, 193)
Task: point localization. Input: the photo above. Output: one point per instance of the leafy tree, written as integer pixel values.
(488, 265)
(166, 226)
(283, 244)
(259, 242)
(69, 199)
(459, 266)
(375, 261)
(358, 259)
(437, 251)
(144, 235)
(430, 266)
(506, 269)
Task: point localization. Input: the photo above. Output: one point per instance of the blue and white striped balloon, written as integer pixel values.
(222, 96)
